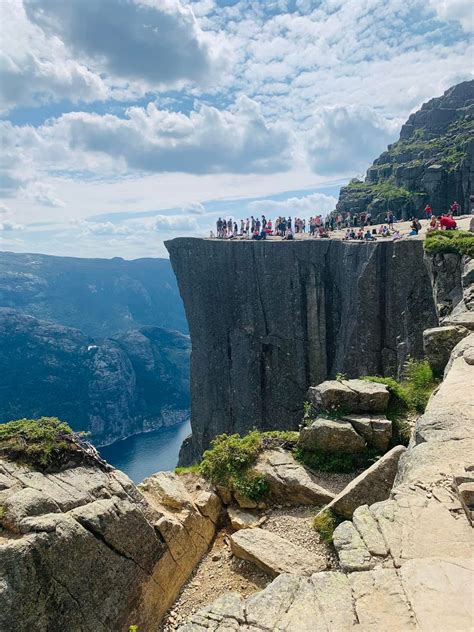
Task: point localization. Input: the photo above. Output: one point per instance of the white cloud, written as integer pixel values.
(8, 225)
(158, 42)
(4, 209)
(103, 228)
(312, 204)
(196, 208)
(35, 69)
(461, 11)
(346, 139)
(174, 223)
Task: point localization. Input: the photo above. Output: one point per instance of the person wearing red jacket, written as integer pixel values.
(448, 223)
(428, 211)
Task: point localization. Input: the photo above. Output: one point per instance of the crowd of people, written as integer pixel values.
(358, 226)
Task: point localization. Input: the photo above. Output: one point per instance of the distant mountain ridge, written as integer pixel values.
(112, 388)
(101, 297)
(432, 162)
(100, 343)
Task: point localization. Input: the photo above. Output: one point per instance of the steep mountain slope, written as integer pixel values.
(112, 388)
(98, 296)
(433, 161)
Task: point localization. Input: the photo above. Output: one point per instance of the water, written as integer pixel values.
(147, 453)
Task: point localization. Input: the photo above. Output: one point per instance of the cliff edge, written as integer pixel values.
(269, 319)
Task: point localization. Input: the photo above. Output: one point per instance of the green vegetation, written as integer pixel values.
(40, 442)
(460, 242)
(385, 189)
(408, 396)
(343, 463)
(325, 523)
(229, 462)
(189, 469)
(230, 459)
(2, 513)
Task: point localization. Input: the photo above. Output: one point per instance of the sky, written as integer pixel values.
(124, 123)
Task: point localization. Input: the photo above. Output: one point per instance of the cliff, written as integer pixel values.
(84, 550)
(101, 297)
(269, 319)
(433, 161)
(112, 388)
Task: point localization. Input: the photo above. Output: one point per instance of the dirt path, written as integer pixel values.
(220, 572)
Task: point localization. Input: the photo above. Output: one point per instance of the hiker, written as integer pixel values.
(428, 211)
(390, 219)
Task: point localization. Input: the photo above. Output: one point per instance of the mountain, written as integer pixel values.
(101, 297)
(433, 161)
(112, 388)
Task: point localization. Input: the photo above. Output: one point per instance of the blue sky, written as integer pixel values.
(127, 122)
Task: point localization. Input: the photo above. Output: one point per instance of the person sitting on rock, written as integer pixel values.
(368, 236)
(433, 225)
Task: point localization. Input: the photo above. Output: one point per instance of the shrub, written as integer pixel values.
(251, 485)
(419, 383)
(325, 523)
(40, 442)
(189, 469)
(230, 456)
(460, 242)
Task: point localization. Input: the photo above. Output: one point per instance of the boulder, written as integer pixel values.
(352, 396)
(274, 554)
(243, 519)
(373, 485)
(289, 481)
(438, 342)
(375, 429)
(336, 436)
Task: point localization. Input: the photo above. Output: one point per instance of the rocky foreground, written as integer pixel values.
(84, 549)
(406, 562)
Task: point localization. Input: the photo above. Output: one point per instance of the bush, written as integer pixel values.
(40, 442)
(229, 462)
(325, 523)
(460, 242)
(230, 459)
(419, 383)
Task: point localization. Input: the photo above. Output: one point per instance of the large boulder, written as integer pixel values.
(289, 481)
(373, 485)
(274, 554)
(375, 429)
(438, 342)
(336, 436)
(135, 549)
(351, 396)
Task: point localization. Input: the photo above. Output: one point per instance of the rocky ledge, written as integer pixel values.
(406, 562)
(85, 550)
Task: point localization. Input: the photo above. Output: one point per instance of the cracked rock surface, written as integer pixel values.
(84, 550)
(407, 561)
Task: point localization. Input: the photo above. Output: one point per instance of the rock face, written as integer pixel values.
(82, 549)
(255, 355)
(290, 482)
(433, 161)
(407, 560)
(439, 342)
(101, 297)
(112, 388)
(274, 554)
(354, 396)
(373, 485)
(336, 436)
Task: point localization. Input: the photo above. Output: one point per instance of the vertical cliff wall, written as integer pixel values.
(267, 319)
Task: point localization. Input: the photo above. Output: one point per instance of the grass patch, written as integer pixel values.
(325, 523)
(189, 469)
(460, 242)
(410, 395)
(45, 443)
(342, 463)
